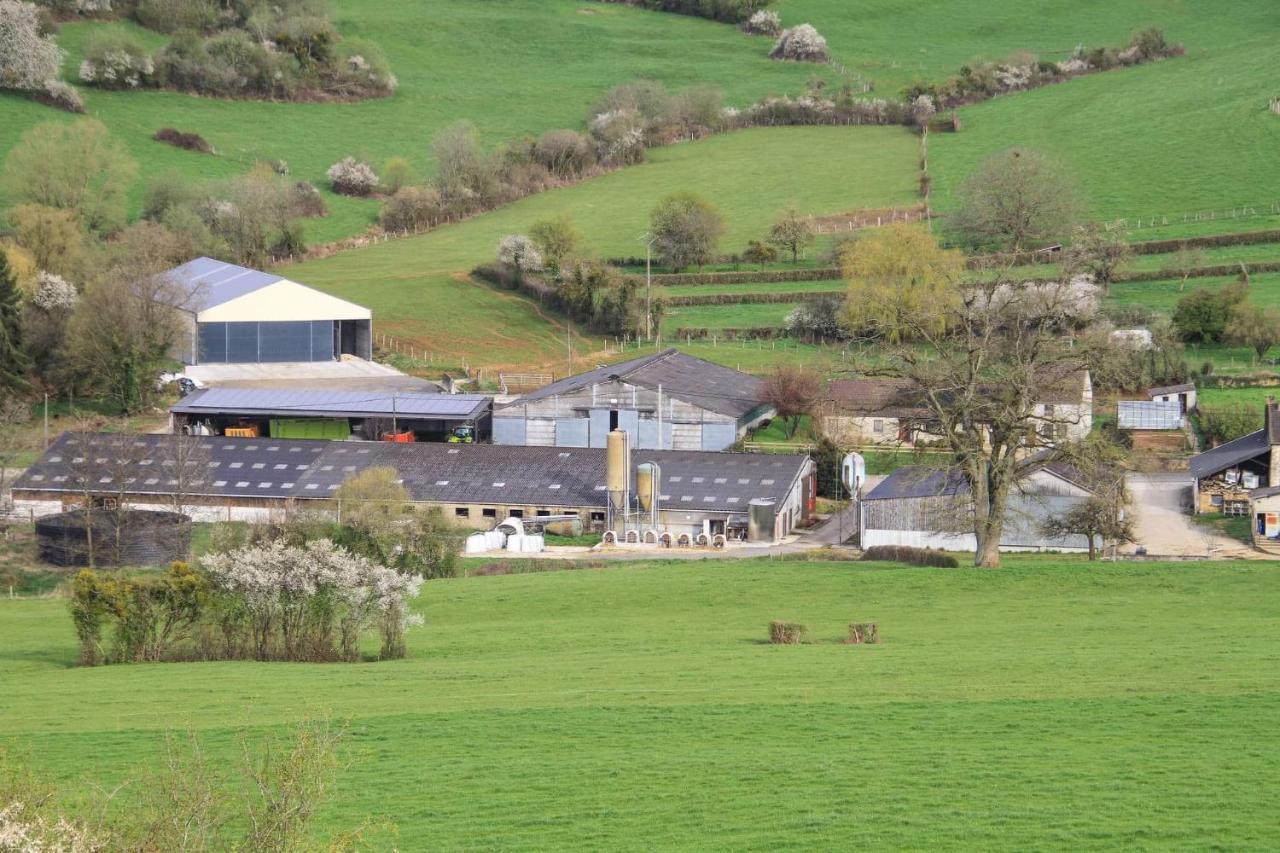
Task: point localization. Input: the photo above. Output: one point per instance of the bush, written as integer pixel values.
(910, 556)
(361, 68)
(727, 11)
(864, 632)
(28, 57)
(307, 201)
(763, 23)
(1221, 424)
(230, 63)
(116, 60)
(800, 44)
(519, 252)
(564, 153)
(181, 139)
(171, 16)
(1202, 315)
(396, 175)
(787, 633)
(351, 177)
(817, 320)
(55, 93)
(412, 209)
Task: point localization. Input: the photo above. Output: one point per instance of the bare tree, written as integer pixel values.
(1098, 253)
(981, 353)
(792, 391)
(1184, 263)
(792, 233)
(1014, 198)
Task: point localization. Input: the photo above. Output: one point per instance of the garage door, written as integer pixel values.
(541, 432)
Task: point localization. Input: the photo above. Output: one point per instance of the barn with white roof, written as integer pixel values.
(242, 316)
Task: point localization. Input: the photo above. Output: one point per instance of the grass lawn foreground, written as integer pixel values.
(1051, 703)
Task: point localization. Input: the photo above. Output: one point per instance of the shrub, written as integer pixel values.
(910, 556)
(619, 136)
(28, 57)
(565, 153)
(54, 293)
(759, 253)
(60, 95)
(361, 68)
(519, 252)
(181, 139)
(685, 230)
(351, 177)
(396, 175)
(765, 22)
(116, 60)
(817, 320)
(800, 44)
(864, 632)
(171, 16)
(787, 633)
(229, 63)
(307, 200)
(412, 209)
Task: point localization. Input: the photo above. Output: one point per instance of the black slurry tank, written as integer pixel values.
(119, 538)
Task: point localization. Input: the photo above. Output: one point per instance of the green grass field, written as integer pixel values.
(419, 291)
(1049, 704)
(749, 316)
(1165, 139)
(1252, 397)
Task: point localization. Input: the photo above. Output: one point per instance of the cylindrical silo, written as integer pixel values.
(615, 469)
(760, 519)
(647, 485)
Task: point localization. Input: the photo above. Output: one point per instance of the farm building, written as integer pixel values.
(474, 485)
(665, 400)
(931, 508)
(893, 411)
(323, 413)
(242, 316)
(1184, 395)
(1226, 475)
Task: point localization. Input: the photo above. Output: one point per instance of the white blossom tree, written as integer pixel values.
(27, 58)
(520, 252)
(800, 44)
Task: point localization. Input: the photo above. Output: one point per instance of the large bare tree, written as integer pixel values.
(982, 353)
(1015, 198)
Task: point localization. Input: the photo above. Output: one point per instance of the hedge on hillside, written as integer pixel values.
(754, 333)
(727, 11)
(756, 277)
(748, 298)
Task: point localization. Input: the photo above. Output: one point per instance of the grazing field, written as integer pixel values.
(1173, 137)
(1163, 295)
(1052, 703)
(1251, 397)
(514, 67)
(748, 316)
(418, 287)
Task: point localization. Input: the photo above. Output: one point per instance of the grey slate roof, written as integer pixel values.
(684, 377)
(445, 473)
(920, 481)
(321, 402)
(1184, 388)
(1229, 455)
(209, 282)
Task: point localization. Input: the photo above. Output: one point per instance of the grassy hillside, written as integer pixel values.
(1174, 137)
(418, 290)
(1049, 704)
(514, 67)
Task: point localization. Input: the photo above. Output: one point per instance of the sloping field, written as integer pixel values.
(417, 286)
(1050, 704)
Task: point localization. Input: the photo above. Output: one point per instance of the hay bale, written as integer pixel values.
(787, 633)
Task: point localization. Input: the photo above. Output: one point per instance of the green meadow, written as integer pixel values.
(1048, 704)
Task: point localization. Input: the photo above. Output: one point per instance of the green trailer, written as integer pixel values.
(326, 429)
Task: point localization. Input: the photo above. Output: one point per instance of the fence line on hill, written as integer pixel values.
(1240, 211)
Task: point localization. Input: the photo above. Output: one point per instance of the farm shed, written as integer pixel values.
(236, 315)
(1227, 474)
(893, 411)
(665, 400)
(932, 508)
(475, 485)
(1184, 395)
(289, 412)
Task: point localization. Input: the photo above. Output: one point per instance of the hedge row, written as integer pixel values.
(1243, 238)
(753, 277)
(1199, 272)
(761, 333)
(750, 298)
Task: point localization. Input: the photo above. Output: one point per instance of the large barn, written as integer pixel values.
(242, 316)
(932, 508)
(475, 485)
(667, 400)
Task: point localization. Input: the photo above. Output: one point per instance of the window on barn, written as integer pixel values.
(461, 512)
(516, 513)
(489, 512)
(877, 426)
(543, 512)
(597, 516)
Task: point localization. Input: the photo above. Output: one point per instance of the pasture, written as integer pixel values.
(1051, 703)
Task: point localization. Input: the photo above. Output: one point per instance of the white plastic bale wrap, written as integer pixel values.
(477, 543)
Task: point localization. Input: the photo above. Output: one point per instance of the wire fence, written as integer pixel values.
(1242, 211)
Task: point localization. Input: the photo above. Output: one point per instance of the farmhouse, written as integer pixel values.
(893, 411)
(406, 414)
(475, 485)
(241, 316)
(1226, 475)
(665, 400)
(932, 508)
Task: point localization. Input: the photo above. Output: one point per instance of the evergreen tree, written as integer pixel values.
(14, 364)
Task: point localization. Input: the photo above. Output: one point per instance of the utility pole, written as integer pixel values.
(46, 418)
(568, 344)
(648, 239)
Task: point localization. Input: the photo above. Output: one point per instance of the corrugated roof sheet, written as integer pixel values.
(710, 386)
(1184, 388)
(211, 282)
(105, 463)
(919, 481)
(334, 403)
(1229, 455)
